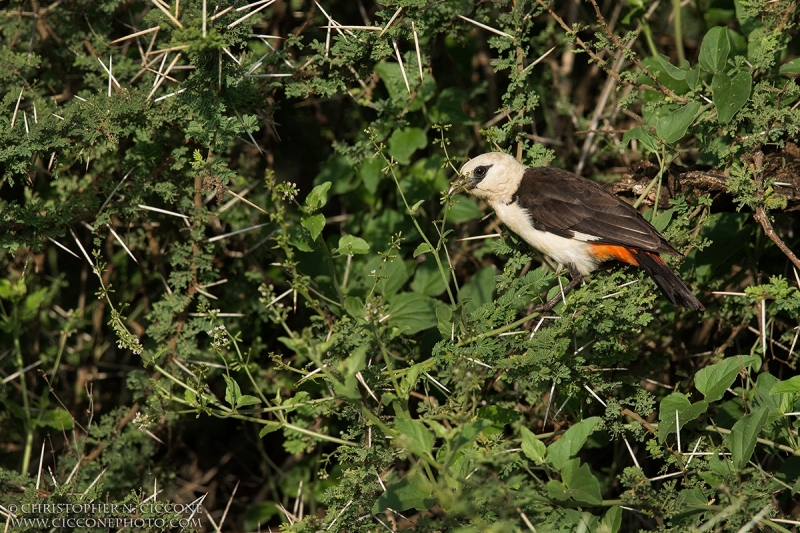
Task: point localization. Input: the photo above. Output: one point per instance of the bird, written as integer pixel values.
(573, 220)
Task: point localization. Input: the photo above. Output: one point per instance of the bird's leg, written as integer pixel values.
(575, 279)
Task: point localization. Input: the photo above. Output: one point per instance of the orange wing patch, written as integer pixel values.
(606, 252)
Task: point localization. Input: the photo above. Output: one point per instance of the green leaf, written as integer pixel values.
(533, 448)
(612, 521)
(370, 173)
(730, 94)
(500, 416)
(422, 249)
(693, 78)
(413, 208)
(470, 432)
(714, 50)
(478, 290)
(643, 136)
(687, 411)
(464, 210)
(583, 486)
(412, 312)
(672, 127)
(428, 280)
(714, 380)
(671, 70)
(58, 419)
(393, 79)
(403, 144)
(300, 238)
(412, 492)
(416, 434)
(314, 224)
(350, 245)
(791, 385)
(571, 442)
(790, 68)
(232, 390)
(318, 195)
(744, 434)
(662, 219)
(354, 307)
(246, 400)
(269, 427)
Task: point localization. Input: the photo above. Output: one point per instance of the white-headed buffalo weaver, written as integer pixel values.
(573, 220)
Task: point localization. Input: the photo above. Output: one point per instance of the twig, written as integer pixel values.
(167, 13)
(760, 214)
(618, 44)
(602, 63)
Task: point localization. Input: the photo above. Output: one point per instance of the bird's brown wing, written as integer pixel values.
(564, 203)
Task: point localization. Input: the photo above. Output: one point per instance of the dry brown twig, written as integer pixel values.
(760, 214)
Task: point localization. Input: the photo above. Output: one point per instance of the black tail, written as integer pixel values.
(670, 284)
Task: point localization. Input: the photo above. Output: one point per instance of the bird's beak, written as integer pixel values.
(463, 183)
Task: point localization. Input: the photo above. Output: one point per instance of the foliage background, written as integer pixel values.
(301, 337)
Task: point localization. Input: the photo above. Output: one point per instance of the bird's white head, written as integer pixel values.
(494, 176)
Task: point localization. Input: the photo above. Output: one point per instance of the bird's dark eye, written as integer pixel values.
(480, 172)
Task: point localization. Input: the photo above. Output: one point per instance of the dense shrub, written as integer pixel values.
(233, 273)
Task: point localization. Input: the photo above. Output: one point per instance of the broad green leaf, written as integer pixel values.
(428, 280)
(533, 448)
(671, 70)
(744, 434)
(58, 419)
(470, 432)
(393, 79)
(444, 321)
(269, 427)
(714, 380)
(403, 144)
(412, 312)
(571, 442)
(778, 404)
(416, 434)
(463, 209)
(354, 306)
(232, 390)
(500, 416)
(662, 219)
(791, 68)
(422, 249)
(350, 245)
(300, 238)
(791, 385)
(643, 136)
(371, 173)
(693, 78)
(412, 492)
(246, 400)
(672, 127)
(612, 521)
(393, 274)
(687, 411)
(318, 195)
(314, 224)
(583, 486)
(714, 50)
(730, 94)
(478, 290)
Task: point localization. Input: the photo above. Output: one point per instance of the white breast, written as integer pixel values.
(574, 251)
